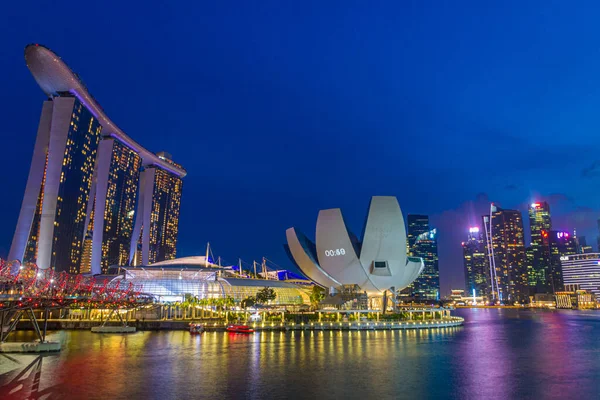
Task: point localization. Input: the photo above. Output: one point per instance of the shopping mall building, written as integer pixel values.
(174, 280)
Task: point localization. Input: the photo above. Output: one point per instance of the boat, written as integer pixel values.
(196, 329)
(235, 328)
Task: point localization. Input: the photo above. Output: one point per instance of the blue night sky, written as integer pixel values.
(279, 110)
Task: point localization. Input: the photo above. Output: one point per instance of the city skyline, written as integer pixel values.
(500, 264)
(218, 101)
(307, 200)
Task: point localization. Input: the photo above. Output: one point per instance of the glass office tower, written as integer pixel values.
(562, 244)
(505, 248)
(475, 263)
(540, 224)
(422, 242)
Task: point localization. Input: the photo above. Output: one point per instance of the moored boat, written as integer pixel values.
(196, 329)
(235, 328)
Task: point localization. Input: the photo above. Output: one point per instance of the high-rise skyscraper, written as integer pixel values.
(475, 262)
(53, 213)
(582, 246)
(422, 242)
(417, 225)
(540, 224)
(532, 275)
(82, 192)
(561, 244)
(157, 226)
(505, 248)
(116, 202)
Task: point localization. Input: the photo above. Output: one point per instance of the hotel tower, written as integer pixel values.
(94, 197)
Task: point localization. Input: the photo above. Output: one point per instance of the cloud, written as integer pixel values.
(527, 154)
(584, 219)
(591, 171)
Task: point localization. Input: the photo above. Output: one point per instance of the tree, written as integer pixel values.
(265, 295)
(248, 302)
(228, 302)
(218, 303)
(316, 295)
(188, 302)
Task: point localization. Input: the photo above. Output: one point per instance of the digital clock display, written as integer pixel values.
(336, 252)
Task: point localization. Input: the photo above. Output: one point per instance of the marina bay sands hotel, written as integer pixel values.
(94, 197)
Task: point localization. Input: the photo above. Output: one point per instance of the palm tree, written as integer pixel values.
(317, 294)
(188, 302)
(211, 302)
(202, 303)
(247, 302)
(228, 302)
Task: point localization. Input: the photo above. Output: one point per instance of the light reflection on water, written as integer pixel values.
(498, 354)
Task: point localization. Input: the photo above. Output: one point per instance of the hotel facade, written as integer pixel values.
(582, 271)
(94, 197)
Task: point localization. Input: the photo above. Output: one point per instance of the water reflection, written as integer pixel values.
(498, 354)
(24, 383)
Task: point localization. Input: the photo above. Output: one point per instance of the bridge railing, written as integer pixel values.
(26, 285)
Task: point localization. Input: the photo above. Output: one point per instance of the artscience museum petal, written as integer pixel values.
(377, 263)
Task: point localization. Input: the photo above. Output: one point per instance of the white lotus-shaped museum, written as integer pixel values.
(376, 264)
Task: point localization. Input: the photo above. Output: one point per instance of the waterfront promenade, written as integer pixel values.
(220, 325)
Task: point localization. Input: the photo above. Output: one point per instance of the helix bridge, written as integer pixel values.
(26, 289)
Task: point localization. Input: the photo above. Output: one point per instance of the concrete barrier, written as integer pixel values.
(29, 347)
(113, 329)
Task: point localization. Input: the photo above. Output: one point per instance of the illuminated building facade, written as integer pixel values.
(475, 262)
(175, 279)
(116, 200)
(417, 225)
(80, 200)
(59, 185)
(574, 298)
(86, 256)
(561, 244)
(423, 244)
(505, 248)
(582, 271)
(157, 223)
(540, 224)
(531, 272)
